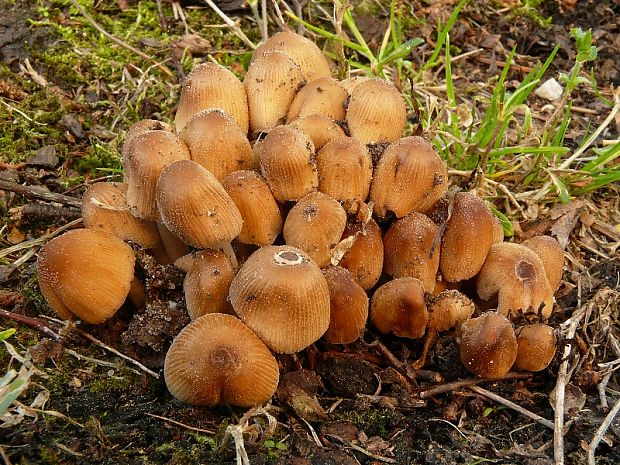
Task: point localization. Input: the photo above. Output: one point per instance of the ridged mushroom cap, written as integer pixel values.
(217, 360)
(281, 294)
(551, 254)
(364, 259)
(398, 307)
(324, 96)
(86, 273)
(536, 347)
(517, 276)
(321, 129)
(199, 212)
(488, 345)
(210, 85)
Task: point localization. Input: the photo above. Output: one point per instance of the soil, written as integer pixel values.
(358, 404)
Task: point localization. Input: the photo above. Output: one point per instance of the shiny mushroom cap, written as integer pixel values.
(216, 360)
(449, 309)
(536, 347)
(364, 258)
(323, 96)
(321, 129)
(86, 273)
(488, 345)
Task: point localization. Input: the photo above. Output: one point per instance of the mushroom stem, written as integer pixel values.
(428, 343)
(137, 293)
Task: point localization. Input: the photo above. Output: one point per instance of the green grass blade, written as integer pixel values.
(507, 226)
(527, 149)
(441, 37)
(560, 187)
(605, 156)
(7, 333)
(401, 52)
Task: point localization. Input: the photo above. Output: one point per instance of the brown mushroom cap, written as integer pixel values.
(315, 225)
(536, 347)
(140, 127)
(210, 85)
(281, 294)
(410, 176)
(300, 50)
(104, 207)
(449, 309)
(551, 254)
(87, 273)
(321, 129)
(365, 257)
(408, 245)
(517, 276)
(488, 345)
(376, 112)
(467, 239)
(287, 163)
(216, 141)
(262, 220)
(216, 359)
(206, 284)
(199, 212)
(348, 307)
(398, 307)
(149, 154)
(323, 96)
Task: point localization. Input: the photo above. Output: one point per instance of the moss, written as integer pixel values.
(374, 422)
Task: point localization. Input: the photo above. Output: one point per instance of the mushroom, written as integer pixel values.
(199, 212)
(488, 345)
(281, 294)
(467, 239)
(320, 128)
(288, 164)
(323, 96)
(140, 127)
(364, 258)
(262, 220)
(398, 307)
(314, 225)
(207, 282)
(210, 85)
(376, 112)
(348, 305)
(536, 347)
(86, 273)
(216, 142)
(412, 249)
(215, 360)
(551, 254)
(517, 276)
(410, 176)
(449, 309)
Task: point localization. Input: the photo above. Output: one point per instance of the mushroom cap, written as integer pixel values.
(271, 84)
(398, 307)
(262, 220)
(348, 307)
(365, 257)
(488, 345)
(449, 309)
(140, 127)
(323, 96)
(199, 212)
(207, 282)
(536, 347)
(407, 244)
(517, 276)
(287, 162)
(104, 207)
(321, 129)
(467, 239)
(376, 112)
(345, 171)
(303, 52)
(410, 176)
(149, 154)
(216, 359)
(87, 273)
(551, 254)
(281, 294)
(216, 141)
(210, 85)
(315, 225)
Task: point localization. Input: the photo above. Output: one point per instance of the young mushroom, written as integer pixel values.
(217, 360)
(364, 258)
(551, 254)
(536, 347)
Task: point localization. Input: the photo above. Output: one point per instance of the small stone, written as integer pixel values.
(73, 126)
(550, 90)
(45, 157)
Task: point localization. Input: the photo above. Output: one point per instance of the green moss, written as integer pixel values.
(374, 422)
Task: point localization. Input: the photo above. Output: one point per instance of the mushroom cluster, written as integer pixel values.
(340, 217)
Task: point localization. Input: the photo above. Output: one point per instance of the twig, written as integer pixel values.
(560, 389)
(313, 433)
(454, 385)
(451, 424)
(513, 406)
(361, 449)
(183, 425)
(118, 41)
(4, 457)
(96, 341)
(39, 192)
(601, 431)
(230, 23)
(34, 323)
(89, 359)
(601, 391)
(17, 110)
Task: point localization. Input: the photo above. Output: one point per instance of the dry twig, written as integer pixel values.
(40, 193)
(183, 425)
(601, 431)
(234, 27)
(453, 386)
(34, 323)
